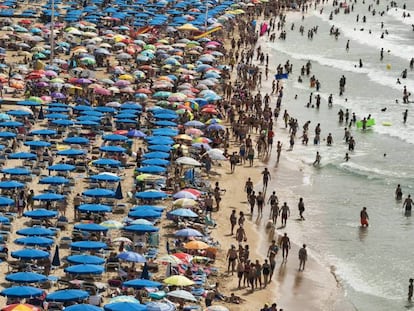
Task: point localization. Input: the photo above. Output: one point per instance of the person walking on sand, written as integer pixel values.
(303, 257)
(278, 151)
(241, 235)
(408, 203)
(248, 187)
(233, 221)
(285, 212)
(231, 257)
(266, 272)
(301, 207)
(285, 245)
(364, 217)
(266, 178)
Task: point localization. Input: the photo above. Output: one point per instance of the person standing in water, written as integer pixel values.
(408, 203)
(398, 193)
(317, 159)
(364, 217)
(285, 245)
(303, 256)
(285, 211)
(405, 115)
(410, 289)
(301, 207)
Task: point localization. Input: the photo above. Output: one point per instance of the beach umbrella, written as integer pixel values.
(26, 277)
(16, 171)
(178, 280)
(185, 203)
(184, 195)
(34, 241)
(5, 201)
(10, 124)
(61, 167)
(95, 208)
(141, 283)
(37, 143)
(83, 307)
(112, 224)
(132, 257)
(152, 169)
(22, 156)
(188, 161)
(141, 228)
(76, 140)
(29, 254)
(124, 298)
(71, 152)
(4, 220)
(35, 231)
(87, 245)
(165, 123)
(171, 259)
(117, 149)
(48, 197)
(118, 192)
(85, 259)
(54, 180)
(163, 148)
(99, 193)
(144, 213)
(107, 162)
(156, 162)
(183, 212)
(182, 294)
(7, 135)
(196, 245)
(21, 292)
(20, 307)
(114, 137)
(11, 184)
(67, 295)
(156, 155)
(151, 195)
(160, 306)
(136, 133)
(122, 306)
(84, 269)
(44, 132)
(90, 227)
(122, 240)
(188, 232)
(216, 154)
(40, 213)
(56, 257)
(105, 177)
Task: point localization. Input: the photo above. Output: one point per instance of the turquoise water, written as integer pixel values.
(372, 264)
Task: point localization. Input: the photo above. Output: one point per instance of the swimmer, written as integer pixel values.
(346, 157)
(398, 193)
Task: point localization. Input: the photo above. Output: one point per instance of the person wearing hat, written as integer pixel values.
(265, 307)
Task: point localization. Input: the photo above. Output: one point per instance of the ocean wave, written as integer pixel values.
(367, 172)
(397, 14)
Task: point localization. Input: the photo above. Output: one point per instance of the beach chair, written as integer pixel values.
(120, 209)
(112, 266)
(65, 242)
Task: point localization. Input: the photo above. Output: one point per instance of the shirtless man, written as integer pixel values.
(266, 177)
(285, 212)
(408, 203)
(285, 245)
(232, 258)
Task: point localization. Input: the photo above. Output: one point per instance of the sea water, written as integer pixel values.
(372, 264)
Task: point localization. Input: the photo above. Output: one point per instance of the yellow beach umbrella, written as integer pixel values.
(178, 280)
(184, 203)
(196, 245)
(188, 27)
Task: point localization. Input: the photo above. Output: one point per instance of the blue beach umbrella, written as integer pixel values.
(67, 295)
(122, 306)
(19, 113)
(44, 132)
(84, 269)
(48, 197)
(141, 228)
(61, 167)
(63, 122)
(21, 292)
(29, 254)
(132, 257)
(95, 208)
(117, 149)
(157, 162)
(162, 148)
(16, 171)
(71, 152)
(151, 195)
(83, 307)
(90, 227)
(5, 201)
(23, 156)
(105, 177)
(156, 155)
(40, 213)
(156, 208)
(152, 169)
(107, 162)
(165, 123)
(141, 283)
(144, 213)
(114, 137)
(11, 124)
(54, 180)
(11, 184)
(35, 231)
(183, 212)
(76, 140)
(85, 259)
(34, 241)
(136, 133)
(99, 193)
(7, 135)
(26, 277)
(160, 140)
(85, 245)
(188, 232)
(37, 143)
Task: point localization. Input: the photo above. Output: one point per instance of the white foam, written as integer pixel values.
(397, 14)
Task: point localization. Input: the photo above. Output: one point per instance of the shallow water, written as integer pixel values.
(373, 264)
